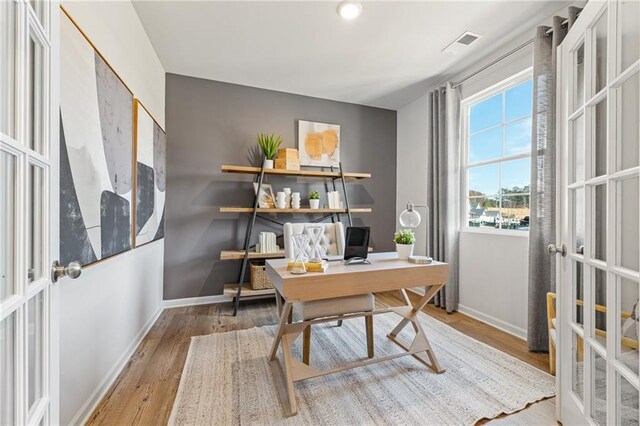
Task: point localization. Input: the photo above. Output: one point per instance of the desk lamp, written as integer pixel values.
(410, 218)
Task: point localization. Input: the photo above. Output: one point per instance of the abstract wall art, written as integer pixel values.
(319, 144)
(96, 152)
(150, 146)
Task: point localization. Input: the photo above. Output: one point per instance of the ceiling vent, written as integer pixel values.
(461, 43)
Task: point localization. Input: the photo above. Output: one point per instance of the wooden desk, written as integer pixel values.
(385, 273)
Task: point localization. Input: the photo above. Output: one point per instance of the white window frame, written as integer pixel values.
(465, 107)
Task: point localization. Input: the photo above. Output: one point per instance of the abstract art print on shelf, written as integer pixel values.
(319, 144)
(96, 153)
(151, 143)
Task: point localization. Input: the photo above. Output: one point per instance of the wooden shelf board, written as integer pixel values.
(302, 210)
(231, 290)
(302, 173)
(239, 254)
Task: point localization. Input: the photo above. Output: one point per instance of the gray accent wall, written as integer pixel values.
(211, 123)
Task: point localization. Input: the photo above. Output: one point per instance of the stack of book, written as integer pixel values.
(267, 243)
(333, 200)
(310, 266)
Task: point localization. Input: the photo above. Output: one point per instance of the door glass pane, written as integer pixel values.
(627, 402)
(627, 351)
(7, 63)
(578, 277)
(600, 138)
(600, 41)
(630, 32)
(517, 137)
(578, 220)
(600, 222)
(600, 308)
(486, 114)
(627, 202)
(578, 90)
(485, 145)
(518, 101)
(34, 92)
(35, 348)
(34, 221)
(599, 389)
(577, 365)
(7, 370)
(578, 149)
(628, 133)
(7, 224)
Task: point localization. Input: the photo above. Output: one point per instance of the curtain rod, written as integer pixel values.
(565, 23)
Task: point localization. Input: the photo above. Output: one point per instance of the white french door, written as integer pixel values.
(599, 193)
(28, 213)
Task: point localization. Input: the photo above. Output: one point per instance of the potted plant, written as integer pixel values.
(269, 145)
(314, 199)
(404, 240)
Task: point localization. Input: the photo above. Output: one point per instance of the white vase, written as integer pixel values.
(268, 164)
(314, 204)
(404, 251)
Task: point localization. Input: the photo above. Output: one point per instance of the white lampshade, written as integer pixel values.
(410, 218)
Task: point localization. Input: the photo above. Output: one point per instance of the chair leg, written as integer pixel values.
(552, 358)
(339, 323)
(369, 325)
(306, 344)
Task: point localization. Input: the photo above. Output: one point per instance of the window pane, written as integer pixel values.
(35, 350)
(7, 224)
(518, 101)
(515, 212)
(627, 402)
(628, 133)
(7, 62)
(518, 137)
(34, 91)
(600, 119)
(600, 40)
(577, 361)
(599, 323)
(628, 228)
(578, 296)
(484, 180)
(484, 212)
(577, 206)
(486, 145)
(627, 351)
(486, 114)
(578, 91)
(578, 149)
(516, 176)
(599, 389)
(600, 223)
(7, 370)
(630, 32)
(34, 219)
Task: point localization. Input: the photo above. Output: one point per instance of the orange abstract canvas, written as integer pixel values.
(319, 144)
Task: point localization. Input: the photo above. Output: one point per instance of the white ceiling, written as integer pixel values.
(386, 58)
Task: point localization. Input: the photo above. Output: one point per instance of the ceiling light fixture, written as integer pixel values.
(349, 9)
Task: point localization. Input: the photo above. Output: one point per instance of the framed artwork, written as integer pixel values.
(150, 151)
(96, 152)
(318, 144)
(266, 200)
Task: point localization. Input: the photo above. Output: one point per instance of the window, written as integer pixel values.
(497, 171)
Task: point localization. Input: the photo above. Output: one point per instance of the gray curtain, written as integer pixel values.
(542, 232)
(443, 193)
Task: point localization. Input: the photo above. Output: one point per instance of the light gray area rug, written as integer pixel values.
(227, 380)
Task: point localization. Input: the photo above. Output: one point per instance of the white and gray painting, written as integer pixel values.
(150, 178)
(96, 113)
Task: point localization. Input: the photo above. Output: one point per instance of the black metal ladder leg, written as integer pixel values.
(346, 197)
(247, 240)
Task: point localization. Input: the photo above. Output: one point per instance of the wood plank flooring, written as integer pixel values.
(144, 391)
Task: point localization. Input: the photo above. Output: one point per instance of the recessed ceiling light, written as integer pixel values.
(349, 9)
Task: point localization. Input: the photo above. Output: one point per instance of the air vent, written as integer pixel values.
(461, 43)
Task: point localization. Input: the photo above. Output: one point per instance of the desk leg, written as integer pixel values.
(284, 318)
(287, 340)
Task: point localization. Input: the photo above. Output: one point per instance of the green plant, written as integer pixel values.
(404, 236)
(269, 144)
(314, 195)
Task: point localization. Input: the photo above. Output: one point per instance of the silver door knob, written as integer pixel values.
(553, 249)
(72, 270)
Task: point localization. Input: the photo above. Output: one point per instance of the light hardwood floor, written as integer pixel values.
(143, 393)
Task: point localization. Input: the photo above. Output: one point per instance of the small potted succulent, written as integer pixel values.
(314, 200)
(404, 240)
(269, 145)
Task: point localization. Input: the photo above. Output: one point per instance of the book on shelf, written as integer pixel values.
(267, 243)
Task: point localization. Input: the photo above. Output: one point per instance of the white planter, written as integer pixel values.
(268, 164)
(404, 251)
(314, 204)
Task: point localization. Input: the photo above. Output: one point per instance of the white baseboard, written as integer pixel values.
(195, 301)
(518, 332)
(82, 416)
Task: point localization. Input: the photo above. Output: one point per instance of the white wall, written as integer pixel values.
(493, 268)
(105, 313)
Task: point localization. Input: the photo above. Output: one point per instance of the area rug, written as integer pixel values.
(227, 380)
